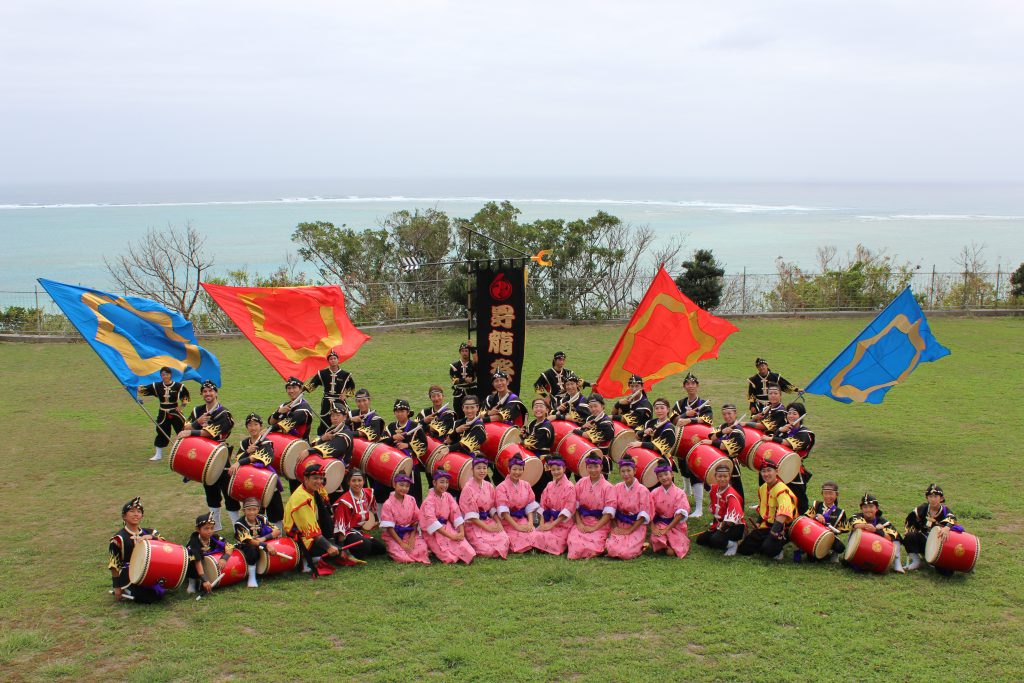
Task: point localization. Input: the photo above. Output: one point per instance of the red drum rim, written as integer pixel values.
(215, 462)
(933, 548)
(709, 474)
(263, 560)
(268, 489)
(138, 564)
(854, 543)
(823, 544)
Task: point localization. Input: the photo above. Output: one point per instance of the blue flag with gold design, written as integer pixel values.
(135, 337)
(881, 356)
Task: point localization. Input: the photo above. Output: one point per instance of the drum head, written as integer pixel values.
(404, 466)
(823, 546)
(262, 562)
(621, 442)
(648, 477)
(852, 544)
(789, 467)
(138, 564)
(933, 547)
(533, 469)
(510, 436)
(294, 454)
(334, 474)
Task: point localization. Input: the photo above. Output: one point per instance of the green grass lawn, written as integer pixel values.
(75, 449)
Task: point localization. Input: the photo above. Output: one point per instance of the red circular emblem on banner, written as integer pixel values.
(500, 288)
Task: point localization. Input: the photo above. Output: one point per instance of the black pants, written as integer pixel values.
(367, 545)
(685, 469)
(250, 552)
(719, 539)
(545, 479)
(275, 511)
(139, 594)
(215, 493)
(736, 480)
(168, 422)
(915, 542)
(799, 488)
(761, 541)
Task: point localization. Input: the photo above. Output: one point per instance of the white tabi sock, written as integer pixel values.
(191, 586)
(698, 501)
(730, 548)
(216, 519)
(897, 565)
(915, 562)
(233, 515)
(252, 577)
(158, 454)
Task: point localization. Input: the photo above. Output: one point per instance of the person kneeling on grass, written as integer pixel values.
(671, 508)
(920, 522)
(252, 532)
(557, 506)
(632, 514)
(479, 508)
(306, 514)
(516, 503)
(595, 508)
(777, 508)
(441, 521)
(355, 515)
(400, 525)
(870, 520)
(122, 545)
(201, 543)
(727, 524)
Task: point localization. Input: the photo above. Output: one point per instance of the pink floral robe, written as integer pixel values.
(633, 501)
(516, 499)
(557, 501)
(436, 508)
(399, 515)
(595, 500)
(667, 503)
(477, 501)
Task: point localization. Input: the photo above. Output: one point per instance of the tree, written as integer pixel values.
(165, 266)
(1017, 282)
(701, 279)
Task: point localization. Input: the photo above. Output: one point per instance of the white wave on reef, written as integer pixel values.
(352, 199)
(940, 217)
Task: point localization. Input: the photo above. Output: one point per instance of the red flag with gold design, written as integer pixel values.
(293, 327)
(667, 334)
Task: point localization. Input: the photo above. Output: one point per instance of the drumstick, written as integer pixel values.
(213, 585)
(287, 557)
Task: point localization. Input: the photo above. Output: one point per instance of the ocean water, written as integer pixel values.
(63, 232)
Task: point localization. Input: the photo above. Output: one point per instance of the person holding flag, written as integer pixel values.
(173, 396)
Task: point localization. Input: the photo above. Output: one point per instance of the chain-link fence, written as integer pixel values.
(411, 300)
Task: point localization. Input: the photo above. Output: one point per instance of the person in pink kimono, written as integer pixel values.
(557, 506)
(441, 521)
(399, 523)
(595, 508)
(671, 508)
(632, 514)
(515, 502)
(479, 508)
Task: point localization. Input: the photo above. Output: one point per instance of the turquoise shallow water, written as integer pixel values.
(63, 233)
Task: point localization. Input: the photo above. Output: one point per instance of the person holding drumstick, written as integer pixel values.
(598, 428)
(201, 543)
(438, 419)
(502, 405)
(213, 421)
(469, 433)
(730, 439)
(407, 436)
(173, 396)
(252, 532)
(306, 514)
(338, 385)
(871, 520)
(571, 405)
(777, 508)
(771, 415)
(922, 519)
(760, 382)
(797, 436)
(828, 512)
(727, 524)
(634, 410)
(538, 437)
(693, 409)
(658, 434)
(257, 450)
(463, 376)
(121, 547)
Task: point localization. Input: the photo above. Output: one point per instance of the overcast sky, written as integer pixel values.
(864, 90)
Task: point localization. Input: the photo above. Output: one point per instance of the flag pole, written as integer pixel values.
(140, 404)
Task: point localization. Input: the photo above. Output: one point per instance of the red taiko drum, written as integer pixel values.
(288, 451)
(380, 461)
(499, 435)
(459, 465)
(435, 449)
(783, 455)
(959, 552)
(334, 470)
(275, 564)
(158, 563)
(702, 460)
(689, 435)
(574, 449)
(646, 461)
(868, 551)
(813, 537)
(251, 481)
(533, 468)
(620, 442)
(198, 458)
(562, 429)
(234, 570)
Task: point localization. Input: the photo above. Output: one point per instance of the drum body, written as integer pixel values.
(199, 459)
(751, 437)
(251, 481)
(813, 537)
(784, 456)
(380, 461)
(334, 470)
(959, 553)
(275, 564)
(702, 460)
(435, 449)
(289, 451)
(533, 468)
(562, 429)
(869, 551)
(646, 461)
(459, 465)
(158, 563)
(574, 449)
(234, 570)
(499, 435)
(689, 435)
(621, 440)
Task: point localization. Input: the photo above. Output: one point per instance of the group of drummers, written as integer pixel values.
(500, 482)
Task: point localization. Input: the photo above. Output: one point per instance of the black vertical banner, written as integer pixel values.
(500, 322)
